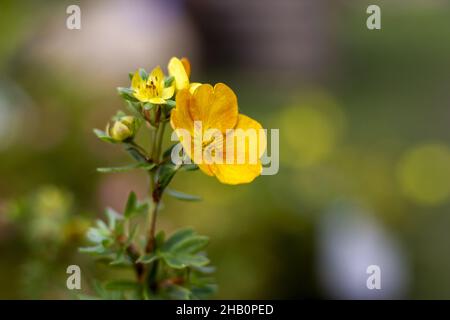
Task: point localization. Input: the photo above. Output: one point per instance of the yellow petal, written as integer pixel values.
(236, 173)
(140, 96)
(168, 92)
(206, 169)
(193, 86)
(215, 107)
(180, 118)
(255, 138)
(156, 75)
(136, 81)
(186, 65)
(177, 70)
(157, 100)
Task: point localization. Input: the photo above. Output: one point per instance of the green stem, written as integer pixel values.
(155, 197)
(160, 140)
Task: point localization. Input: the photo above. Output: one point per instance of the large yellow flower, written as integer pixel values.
(180, 70)
(217, 109)
(151, 89)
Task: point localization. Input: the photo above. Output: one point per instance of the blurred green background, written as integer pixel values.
(364, 175)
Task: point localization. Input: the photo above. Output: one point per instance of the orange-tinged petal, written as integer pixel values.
(180, 117)
(178, 72)
(186, 65)
(215, 107)
(193, 86)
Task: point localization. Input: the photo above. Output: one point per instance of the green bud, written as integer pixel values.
(129, 121)
(123, 129)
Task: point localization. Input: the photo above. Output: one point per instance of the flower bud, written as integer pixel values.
(123, 129)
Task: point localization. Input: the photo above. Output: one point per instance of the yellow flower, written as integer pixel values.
(180, 70)
(151, 89)
(217, 109)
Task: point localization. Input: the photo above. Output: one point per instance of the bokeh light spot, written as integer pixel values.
(424, 173)
(311, 129)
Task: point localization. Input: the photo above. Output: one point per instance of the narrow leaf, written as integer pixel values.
(131, 204)
(189, 167)
(140, 165)
(103, 136)
(127, 94)
(182, 196)
(148, 258)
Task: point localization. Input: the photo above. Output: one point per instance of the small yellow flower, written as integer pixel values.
(217, 109)
(180, 70)
(151, 89)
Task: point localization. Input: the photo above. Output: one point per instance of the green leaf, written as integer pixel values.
(168, 152)
(180, 261)
(132, 235)
(140, 165)
(189, 167)
(131, 204)
(173, 261)
(141, 208)
(119, 115)
(159, 239)
(94, 249)
(135, 108)
(122, 285)
(97, 235)
(179, 293)
(120, 226)
(148, 106)
(205, 269)
(135, 153)
(194, 260)
(168, 81)
(180, 250)
(165, 175)
(121, 259)
(133, 208)
(127, 94)
(102, 135)
(87, 297)
(171, 103)
(204, 291)
(167, 108)
(176, 237)
(143, 74)
(182, 196)
(112, 216)
(148, 258)
(190, 245)
(101, 225)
